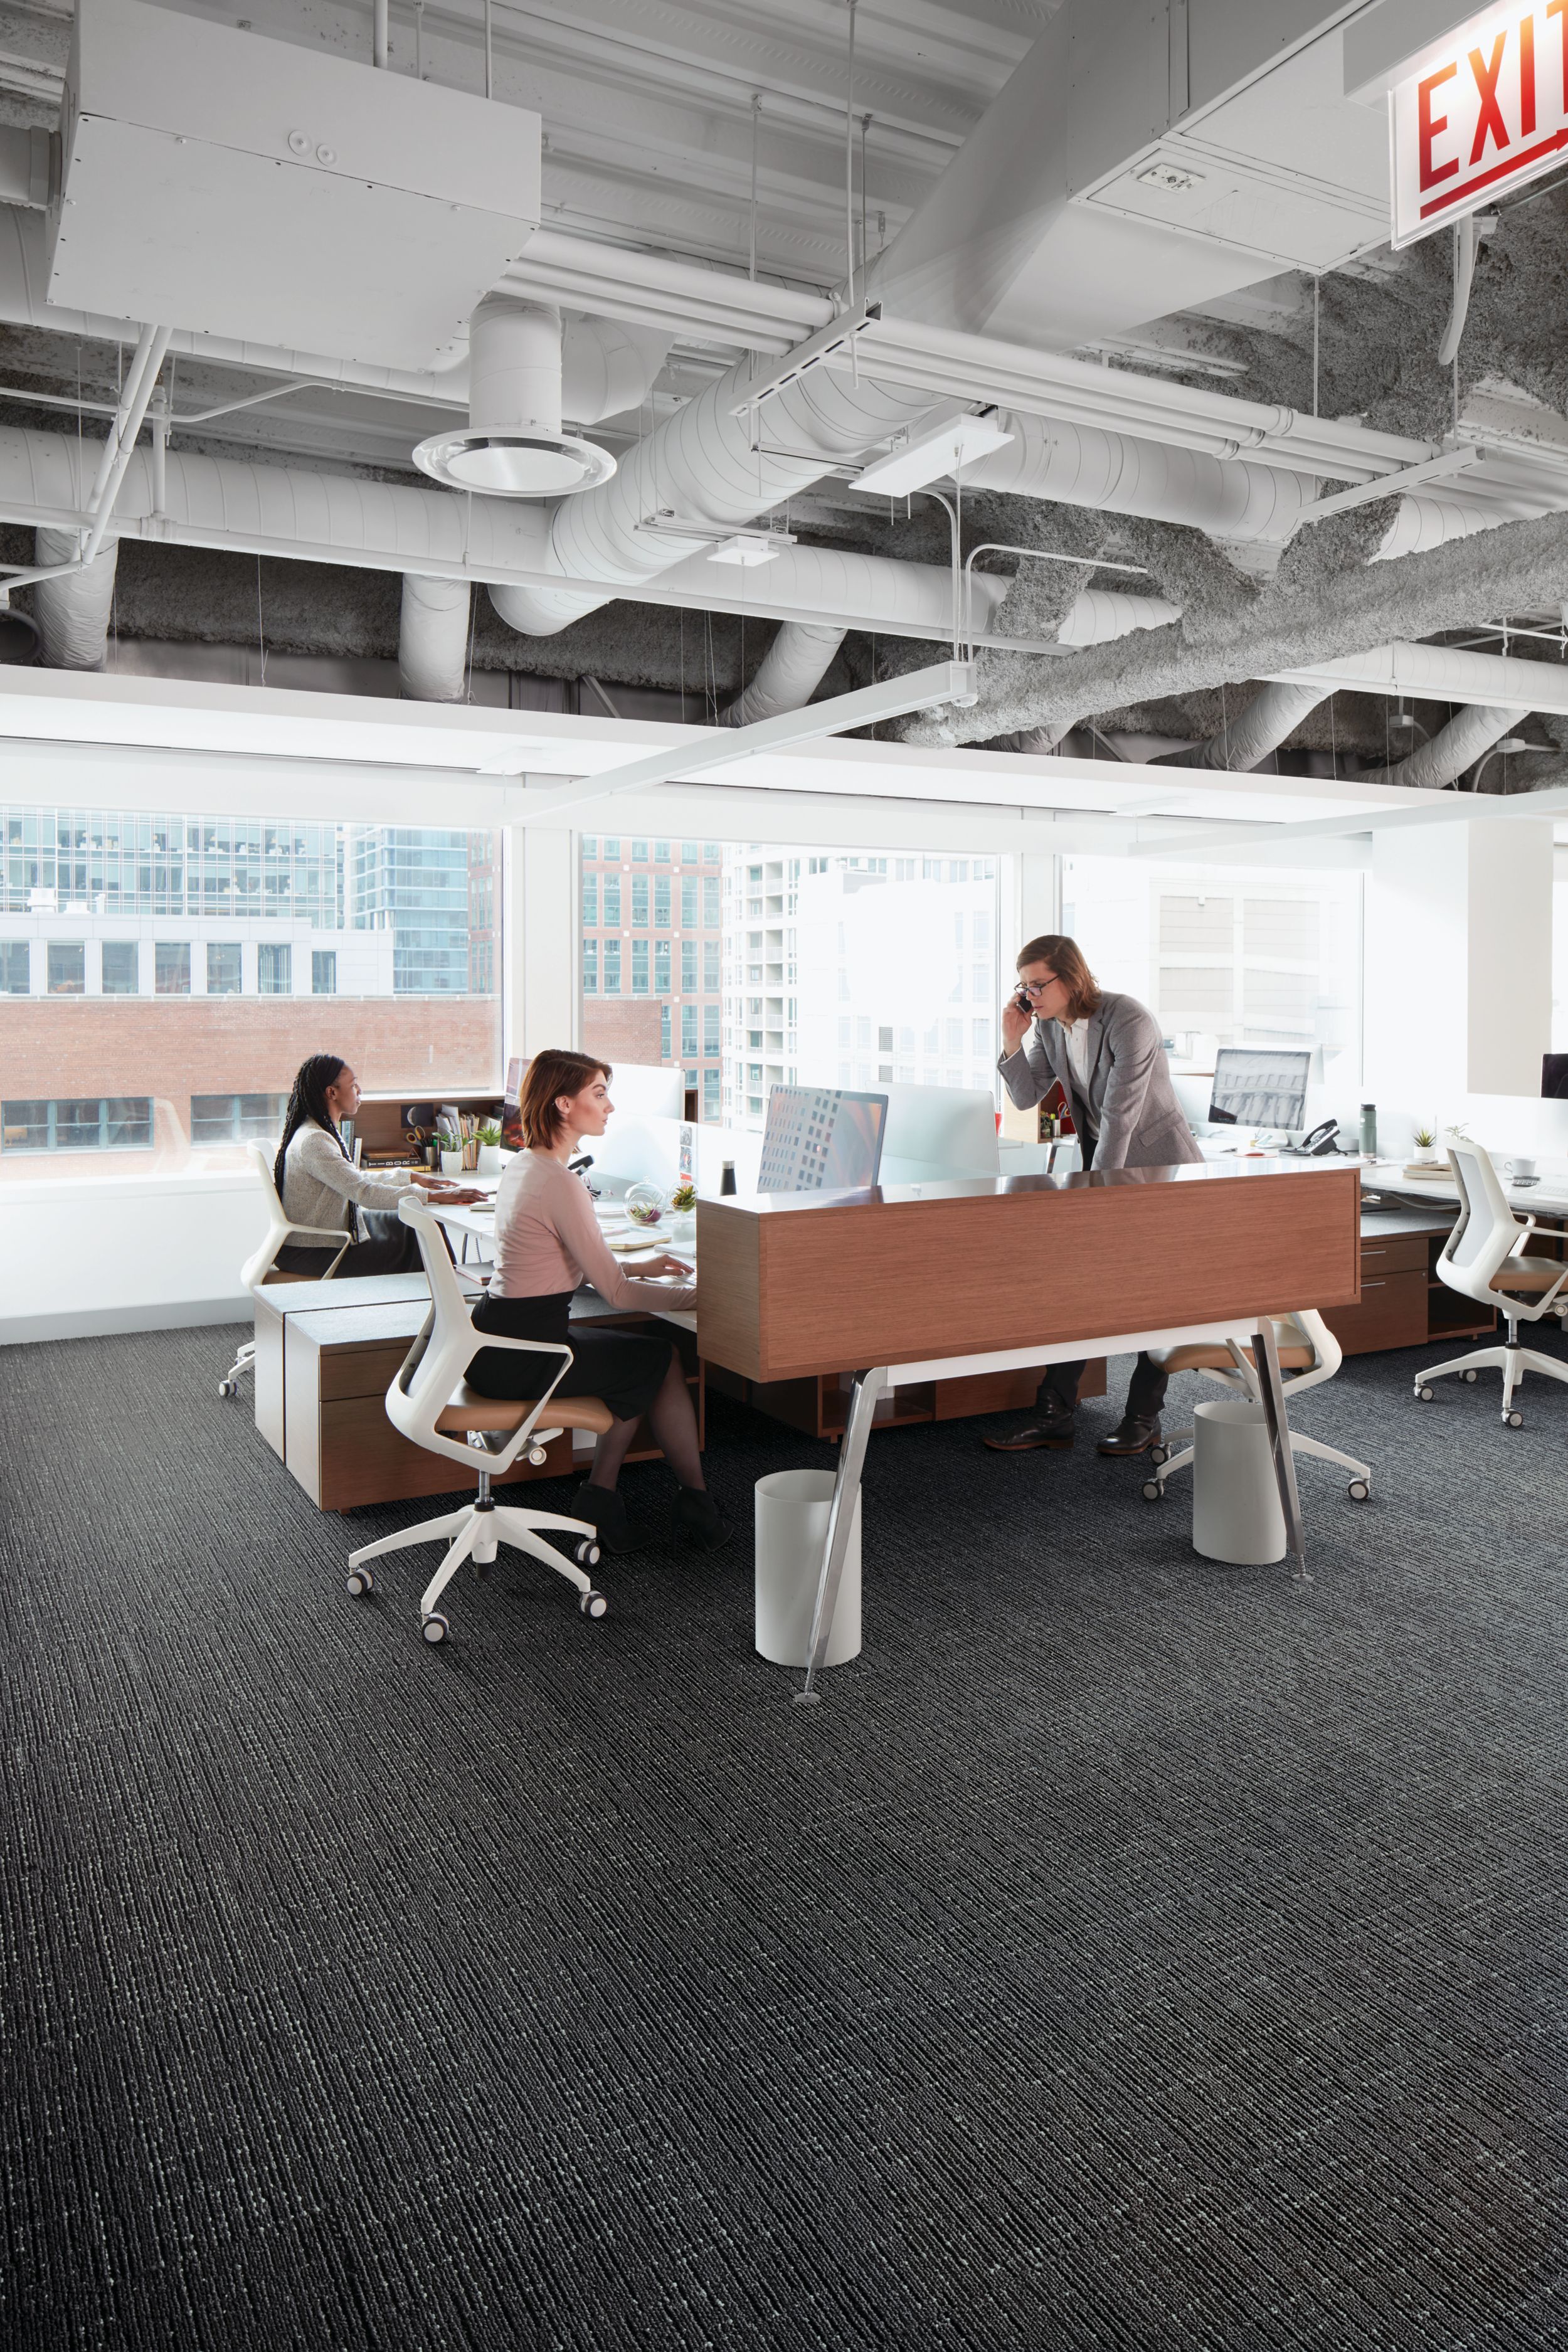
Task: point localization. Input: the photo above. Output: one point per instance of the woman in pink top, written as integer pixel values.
(548, 1244)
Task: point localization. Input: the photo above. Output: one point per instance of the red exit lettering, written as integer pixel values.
(1431, 124)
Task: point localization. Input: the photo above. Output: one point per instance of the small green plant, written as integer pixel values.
(1425, 1137)
(490, 1131)
(447, 1141)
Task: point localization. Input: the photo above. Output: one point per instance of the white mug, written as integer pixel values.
(1521, 1170)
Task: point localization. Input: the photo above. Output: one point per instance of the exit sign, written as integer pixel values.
(1485, 110)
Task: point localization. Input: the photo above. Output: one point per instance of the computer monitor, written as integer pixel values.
(1261, 1085)
(821, 1139)
(934, 1131)
(1554, 1077)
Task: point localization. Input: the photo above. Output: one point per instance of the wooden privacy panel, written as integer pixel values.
(790, 1289)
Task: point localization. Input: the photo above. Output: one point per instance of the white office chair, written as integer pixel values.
(1306, 1347)
(431, 1403)
(261, 1267)
(1481, 1260)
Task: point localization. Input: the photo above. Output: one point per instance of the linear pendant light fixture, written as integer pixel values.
(953, 682)
(912, 464)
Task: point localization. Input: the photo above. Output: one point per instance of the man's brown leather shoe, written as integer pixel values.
(1130, 1437)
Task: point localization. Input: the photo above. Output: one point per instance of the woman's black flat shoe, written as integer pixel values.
(605, 1510)
(698, 1523)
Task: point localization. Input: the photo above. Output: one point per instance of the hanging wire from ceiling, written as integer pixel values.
(756, 121)
(849, 169)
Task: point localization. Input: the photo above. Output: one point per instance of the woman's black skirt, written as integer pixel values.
(623, 1369)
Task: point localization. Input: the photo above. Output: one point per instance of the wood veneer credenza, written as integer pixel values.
(795, 1284)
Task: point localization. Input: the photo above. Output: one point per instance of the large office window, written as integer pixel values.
(275, 968)
(171, 967)
(92, 1123)
(653, 999)
(252, 923)
(1229, 955)
(844, 967)
(67, 968)
(236, 1119)
(123, 967)
(225, 968)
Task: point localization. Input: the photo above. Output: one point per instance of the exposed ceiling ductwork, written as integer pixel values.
(513, 446)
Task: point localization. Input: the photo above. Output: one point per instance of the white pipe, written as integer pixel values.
(433, 639)
(378, 42)
(789, 673)
(1453, 749)
(73, 613)
(122, 441)
(514, 367)
(1273, 713)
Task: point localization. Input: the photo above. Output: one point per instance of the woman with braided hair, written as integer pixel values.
(318, 1184)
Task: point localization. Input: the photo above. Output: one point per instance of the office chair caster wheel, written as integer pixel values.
(1359, 1491)
(361, 1581)
(538, 1456)
(593, 1604)
(1159, 1453)
(1470, 1378)
(587, 1553)
(435, 1627)
(1153, 1490)
(1426, 1394)
(1513, 1420)
(229, 1388)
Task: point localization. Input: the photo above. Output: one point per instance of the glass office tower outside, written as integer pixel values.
(651, 948)
(857, 968)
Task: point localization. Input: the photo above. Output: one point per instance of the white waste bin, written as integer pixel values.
(1236, 1516)
(792, 1529)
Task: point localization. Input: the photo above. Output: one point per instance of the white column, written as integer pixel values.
(542, 1004)
(1457, 967)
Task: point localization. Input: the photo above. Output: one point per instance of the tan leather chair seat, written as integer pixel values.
(1209, 1355)
(267, 1279)
(469, 1410)
(1526, 1274)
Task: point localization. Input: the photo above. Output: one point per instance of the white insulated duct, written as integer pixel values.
(1272, 714)
(788, 673)
(1101, 614)
(1453, 749)
(1080, 466)
(73, 613)
(433, 639)
(513, 446)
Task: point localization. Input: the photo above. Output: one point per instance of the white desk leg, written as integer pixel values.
(1267, 1357)
(863, 1395)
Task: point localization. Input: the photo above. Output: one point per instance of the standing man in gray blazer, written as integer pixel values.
(1108, 1055)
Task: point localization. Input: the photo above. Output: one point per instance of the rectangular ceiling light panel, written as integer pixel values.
(934, 454)
(235, 185)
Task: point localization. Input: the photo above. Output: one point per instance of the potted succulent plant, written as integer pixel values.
(489, 1147)
(450, 1147)
(1426, 1139)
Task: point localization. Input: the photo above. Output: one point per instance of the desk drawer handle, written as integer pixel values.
(1379, 1285)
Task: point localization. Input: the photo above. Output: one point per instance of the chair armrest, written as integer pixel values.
(334, 1233)
(1526, 1227)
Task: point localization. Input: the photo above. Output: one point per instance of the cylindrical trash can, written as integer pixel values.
(792, 1529)
(1236, 1516)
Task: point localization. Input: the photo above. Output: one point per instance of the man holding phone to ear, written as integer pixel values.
(1107, 1054)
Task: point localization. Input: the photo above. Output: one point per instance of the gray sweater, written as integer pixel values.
(323, 1189)
(1142, 1124)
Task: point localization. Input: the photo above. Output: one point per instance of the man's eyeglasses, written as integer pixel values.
(1037, 987)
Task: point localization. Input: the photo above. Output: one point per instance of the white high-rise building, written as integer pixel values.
(849, 968)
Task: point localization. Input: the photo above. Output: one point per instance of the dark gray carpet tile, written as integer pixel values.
(1129, 1951)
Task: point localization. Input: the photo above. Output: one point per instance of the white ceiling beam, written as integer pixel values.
(944, 683)
(1239, 842)
(1441, 674)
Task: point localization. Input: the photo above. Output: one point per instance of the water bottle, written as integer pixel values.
(1368, 1130)
(726, 1178)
